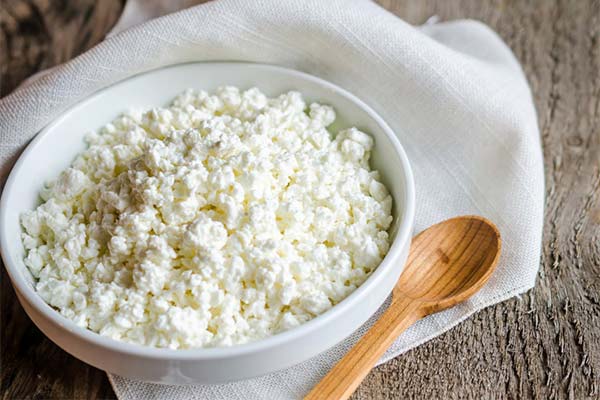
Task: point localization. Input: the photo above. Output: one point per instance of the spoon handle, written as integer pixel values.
(348, 373)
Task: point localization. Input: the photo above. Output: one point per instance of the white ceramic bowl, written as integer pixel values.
(56, 146)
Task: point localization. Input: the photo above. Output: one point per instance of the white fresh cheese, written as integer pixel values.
(220, 220)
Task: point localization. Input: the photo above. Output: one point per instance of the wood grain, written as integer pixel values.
(447, 264)
(544, 345)
(38, 34)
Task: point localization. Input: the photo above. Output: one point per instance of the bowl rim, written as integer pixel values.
(28, 293)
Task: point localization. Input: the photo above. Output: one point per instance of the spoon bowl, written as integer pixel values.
(449, 262)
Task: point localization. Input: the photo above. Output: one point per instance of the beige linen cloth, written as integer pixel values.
(453, 93)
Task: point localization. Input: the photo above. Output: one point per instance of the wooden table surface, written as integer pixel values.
(543, 345)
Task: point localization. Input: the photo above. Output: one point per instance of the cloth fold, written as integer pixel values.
(453, 93)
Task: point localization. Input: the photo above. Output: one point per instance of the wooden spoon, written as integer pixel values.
(447, 264)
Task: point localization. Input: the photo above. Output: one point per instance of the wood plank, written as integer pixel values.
(544, 345)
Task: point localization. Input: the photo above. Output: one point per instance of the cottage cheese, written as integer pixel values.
(219, 220)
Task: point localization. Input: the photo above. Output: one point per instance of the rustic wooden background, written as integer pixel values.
(544, 345)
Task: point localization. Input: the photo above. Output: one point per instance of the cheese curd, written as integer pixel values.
(222, 219)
